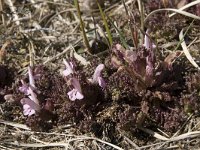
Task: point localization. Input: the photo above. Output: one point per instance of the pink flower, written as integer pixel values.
(31, 104)
(147, 42)
(97, 76)
(69, 68)
(76, 92)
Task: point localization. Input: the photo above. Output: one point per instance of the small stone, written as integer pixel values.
(9, 98)
(89, 5)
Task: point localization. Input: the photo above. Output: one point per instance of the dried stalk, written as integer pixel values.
(13, 11)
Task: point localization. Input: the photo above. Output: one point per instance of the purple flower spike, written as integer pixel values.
(31, 104)
(147, 42)
(97, 76)
(69, 68)
(76, 92)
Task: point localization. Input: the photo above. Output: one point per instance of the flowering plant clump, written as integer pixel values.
(142, 64)
(122, 91)
(139, 64)
(69, 68)
(98, 94)
(120, 86)
(30, 104)
(76, 92)
(97, 78)
(38, 92)
(146, 82)
(70, 74)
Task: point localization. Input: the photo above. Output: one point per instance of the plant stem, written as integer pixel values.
(76, 3)
(141, 9)
(105, 24)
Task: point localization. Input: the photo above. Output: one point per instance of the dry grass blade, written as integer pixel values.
(177, 132)
(132, 143)
(154, 134)
(120, 7)
(193, 134)
(186, 52)
(169, 44)
(174, 10)
(78, 57)
(62, 53)
(133, 29)
(180, 137)
(13, 10)
(38, 145)
(186, 135)
(1, 9)
(17, 125)
(101, 141)
(58, 55)
(141, 9)
(64, 144)
(5, 148)
(186, 6)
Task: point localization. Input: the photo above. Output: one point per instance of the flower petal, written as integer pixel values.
(76, 84)
(75, 94)
(31, 78)
(23, 88)
(101, 82)
(66, 72)
(72, 95)
(27, 110)
(31, 103)
(97, 72)
(79, 95)
(32, 111)
(69, 68)
(147, 42)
